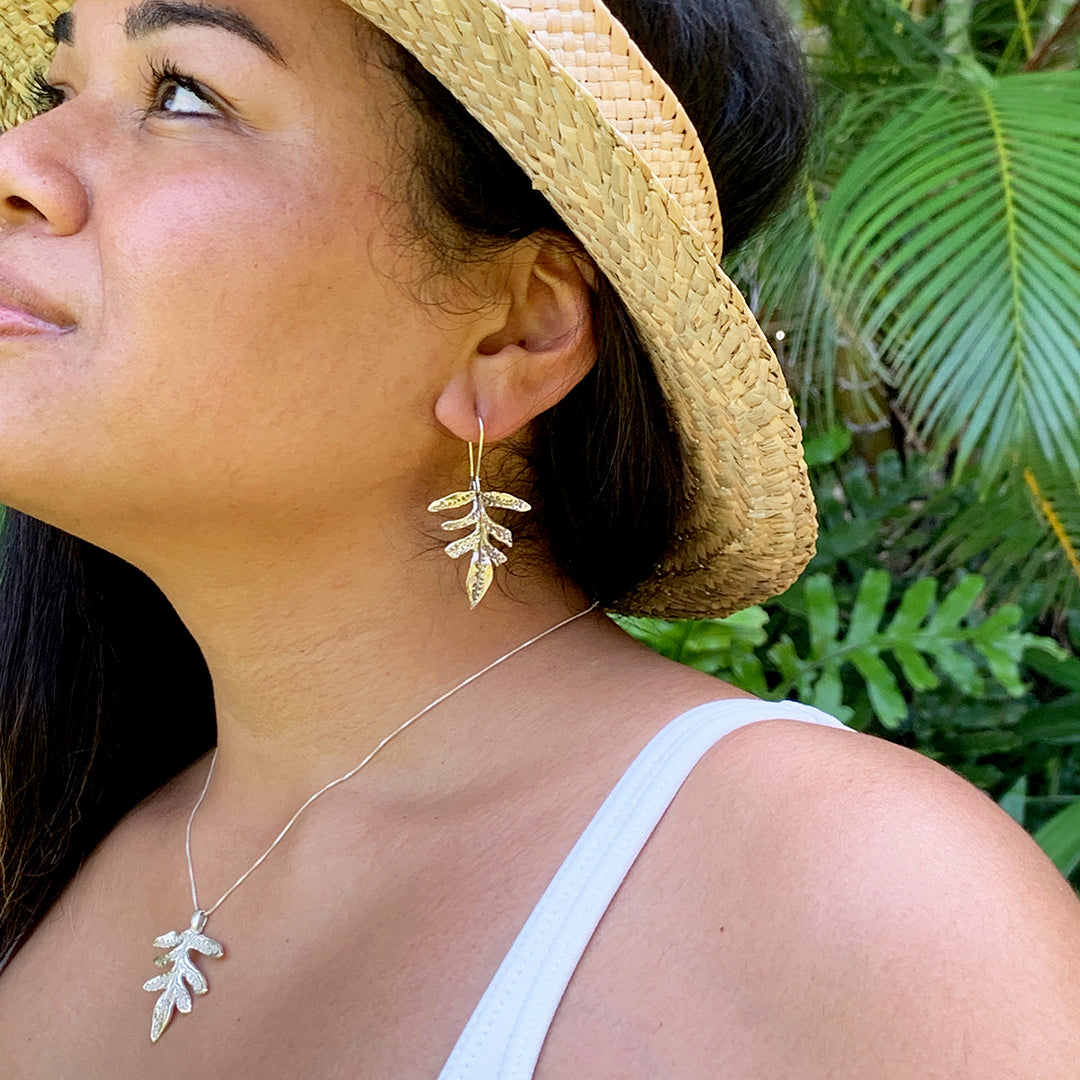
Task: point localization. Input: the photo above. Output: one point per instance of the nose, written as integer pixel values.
(38, 184)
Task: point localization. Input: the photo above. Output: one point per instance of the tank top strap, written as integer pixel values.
(503, 1038)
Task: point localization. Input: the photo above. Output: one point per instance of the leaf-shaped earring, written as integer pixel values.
(485, 555)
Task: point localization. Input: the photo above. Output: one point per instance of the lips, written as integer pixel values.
(24, 308)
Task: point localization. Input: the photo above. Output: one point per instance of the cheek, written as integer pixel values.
(245, 328)
(241, 348)
(200, 268)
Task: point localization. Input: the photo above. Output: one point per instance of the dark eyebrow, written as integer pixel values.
(151, 16)
(62, 29)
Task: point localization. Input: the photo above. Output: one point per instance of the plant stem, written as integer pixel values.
(957, 27)
(1025, 27)
(1054, 521)
(1057, 37)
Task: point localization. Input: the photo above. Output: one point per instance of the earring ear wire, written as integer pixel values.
(481, 541)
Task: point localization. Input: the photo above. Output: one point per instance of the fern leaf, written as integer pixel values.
(456, 548)
(926, 641)
(504, 501)
(1060, 838)
(956, 605)
(451, 502)
(479, 578)
(914, 607)
(869, 608)
(470, 518)
(824, 614)
(175, 995)
(500, 532)
(915, 669)
(881, 686)
(485, 555)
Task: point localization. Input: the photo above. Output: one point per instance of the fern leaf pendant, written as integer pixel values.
(485, 556)
(177, 985)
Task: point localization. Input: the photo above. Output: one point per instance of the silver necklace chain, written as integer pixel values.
(347, 776)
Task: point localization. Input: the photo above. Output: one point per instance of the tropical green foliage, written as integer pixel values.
(836, 663)
(967, 688)
(933, 662)
(923, 291)
(968, 708)
(1060, 838)
(951, 243)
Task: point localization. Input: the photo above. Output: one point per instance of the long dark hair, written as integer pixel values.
(104, 695)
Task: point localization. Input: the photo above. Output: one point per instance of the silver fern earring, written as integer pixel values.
(485, 555)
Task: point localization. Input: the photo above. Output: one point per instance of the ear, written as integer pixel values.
(541, 349)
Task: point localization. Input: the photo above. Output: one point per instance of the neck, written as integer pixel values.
(318, 650)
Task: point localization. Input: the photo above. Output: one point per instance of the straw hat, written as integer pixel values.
(566, 92)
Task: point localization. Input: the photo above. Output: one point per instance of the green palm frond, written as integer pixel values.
(1003, 32)
(1059, 35)
(782, 269)
(781, 274)
(953, 242)
(1023, 535)
(1060, 838)
(1056, 502)
(875, 42)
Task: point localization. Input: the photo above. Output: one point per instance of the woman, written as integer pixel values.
(264, 281)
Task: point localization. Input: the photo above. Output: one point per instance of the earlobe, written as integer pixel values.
(543, 348)
(458, 410)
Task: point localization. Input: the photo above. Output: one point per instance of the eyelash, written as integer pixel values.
(44, 96)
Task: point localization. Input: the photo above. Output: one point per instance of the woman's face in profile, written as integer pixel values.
(209, 216)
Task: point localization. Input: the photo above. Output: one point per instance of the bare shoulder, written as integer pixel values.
(894, 921)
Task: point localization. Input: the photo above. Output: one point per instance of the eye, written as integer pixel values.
(168, 91)
(169, 86)
(183, 98)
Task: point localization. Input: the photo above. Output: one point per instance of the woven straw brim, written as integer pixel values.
(571, 98)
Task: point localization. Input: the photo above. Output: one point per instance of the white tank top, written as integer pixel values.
(502, 1039)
